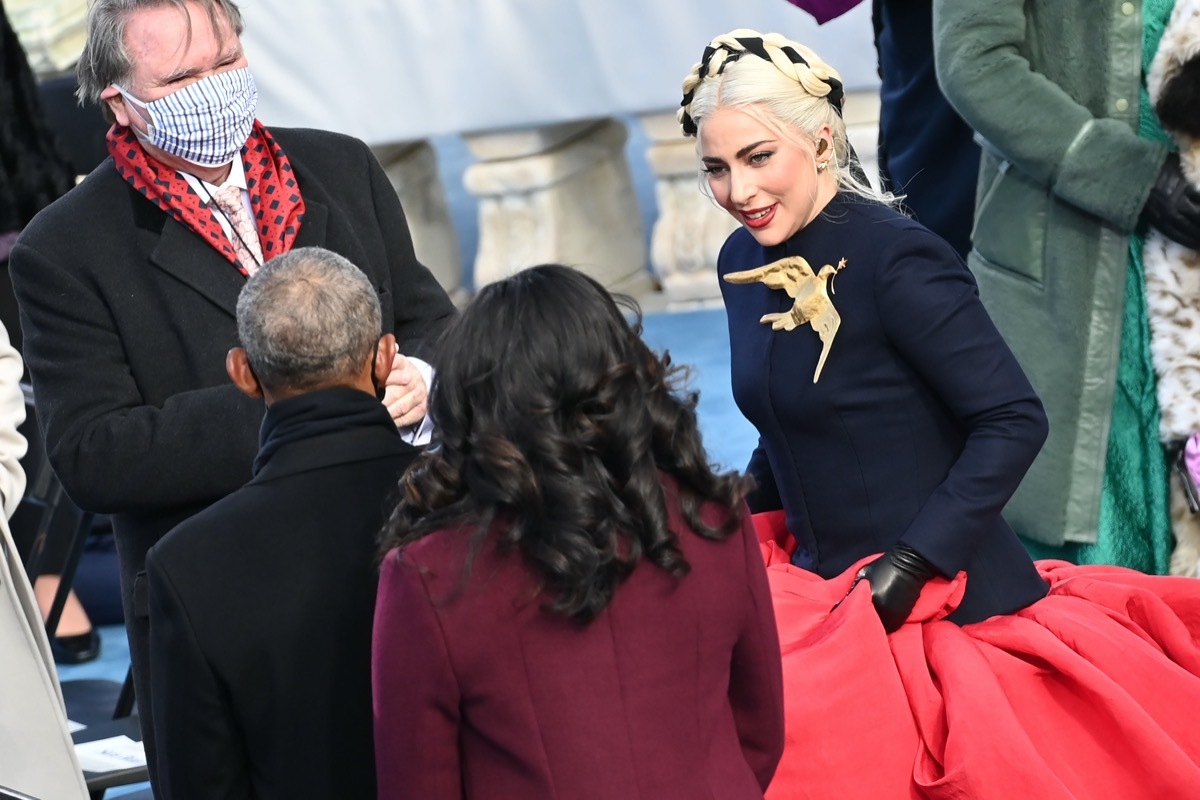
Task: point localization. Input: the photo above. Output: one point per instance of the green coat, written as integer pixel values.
(1051, 87)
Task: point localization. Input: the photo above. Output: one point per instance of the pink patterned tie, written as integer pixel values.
(245, 237)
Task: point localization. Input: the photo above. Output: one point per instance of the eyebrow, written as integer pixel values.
(745, 151)
(231, 54)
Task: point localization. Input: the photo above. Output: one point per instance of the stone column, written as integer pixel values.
(862, 129)
(690, 229)
(560, 193)
(412, 168)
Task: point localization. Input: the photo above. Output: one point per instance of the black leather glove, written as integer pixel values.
(1174, 206)
(896, 579)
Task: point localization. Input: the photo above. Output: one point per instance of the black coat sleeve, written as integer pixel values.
(112, 450)
(931, 312)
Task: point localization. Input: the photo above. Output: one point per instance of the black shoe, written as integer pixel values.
(76, 649)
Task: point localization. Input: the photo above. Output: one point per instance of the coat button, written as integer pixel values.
(1122, 104)
(1127, 9)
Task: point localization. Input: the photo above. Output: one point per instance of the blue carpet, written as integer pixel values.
(112, 663)
(700, 340)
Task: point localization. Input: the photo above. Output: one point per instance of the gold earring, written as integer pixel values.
(822, 166)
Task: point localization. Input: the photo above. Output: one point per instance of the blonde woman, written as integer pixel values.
(895, 423)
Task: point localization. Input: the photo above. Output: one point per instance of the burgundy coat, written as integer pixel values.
(674, 691)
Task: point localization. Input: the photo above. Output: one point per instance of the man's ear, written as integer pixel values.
(385, 354)
(238, 367)
(117, 106)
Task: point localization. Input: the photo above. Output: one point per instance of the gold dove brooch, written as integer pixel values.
(809, 291)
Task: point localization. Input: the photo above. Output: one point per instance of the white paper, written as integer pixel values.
(107, 755)
(73, 726)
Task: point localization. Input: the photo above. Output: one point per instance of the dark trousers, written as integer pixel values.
(926, 151)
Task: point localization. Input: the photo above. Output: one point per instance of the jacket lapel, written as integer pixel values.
(187, 257)
(316, 219)
(181, 253)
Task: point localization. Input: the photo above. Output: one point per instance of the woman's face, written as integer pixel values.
(768, 183)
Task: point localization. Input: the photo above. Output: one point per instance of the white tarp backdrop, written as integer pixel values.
(398, 70)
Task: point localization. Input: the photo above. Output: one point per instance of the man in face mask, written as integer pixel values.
(190, 113)
(128, 285)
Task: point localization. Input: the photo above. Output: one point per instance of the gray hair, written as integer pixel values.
(106, 61)
(308, 318)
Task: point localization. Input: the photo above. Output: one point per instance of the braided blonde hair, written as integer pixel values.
(783, 84)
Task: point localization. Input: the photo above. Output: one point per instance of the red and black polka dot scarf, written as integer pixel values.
(274, 193)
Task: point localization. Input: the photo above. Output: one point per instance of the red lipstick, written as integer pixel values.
(758, 221)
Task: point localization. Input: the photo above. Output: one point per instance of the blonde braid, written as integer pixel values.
(795, 61)
(710, 65)
(769, 90)
(814, 75)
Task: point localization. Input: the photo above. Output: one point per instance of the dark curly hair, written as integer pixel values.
(554, 421)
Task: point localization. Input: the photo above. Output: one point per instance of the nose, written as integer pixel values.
(741, 186)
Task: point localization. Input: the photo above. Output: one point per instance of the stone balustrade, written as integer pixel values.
(565, 193)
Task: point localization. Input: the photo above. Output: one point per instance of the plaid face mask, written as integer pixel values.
(205, 123)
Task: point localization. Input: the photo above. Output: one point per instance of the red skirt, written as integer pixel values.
(1091, 692)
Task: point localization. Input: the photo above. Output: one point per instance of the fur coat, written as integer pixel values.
(1173, 271)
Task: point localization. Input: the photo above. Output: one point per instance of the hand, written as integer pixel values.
(896, 579)
(405, 393)
(1173, 207)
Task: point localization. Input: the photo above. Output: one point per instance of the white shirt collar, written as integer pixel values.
(237, 177)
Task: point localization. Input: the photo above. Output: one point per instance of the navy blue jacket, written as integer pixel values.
(922, 423)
